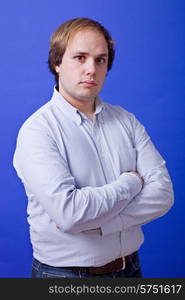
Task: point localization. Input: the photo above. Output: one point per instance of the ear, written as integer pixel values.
(57, 69)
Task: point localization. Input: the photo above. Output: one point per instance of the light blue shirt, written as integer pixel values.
(84, 208)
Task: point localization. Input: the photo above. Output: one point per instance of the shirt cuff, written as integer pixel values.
(116, 223)
(133, 182)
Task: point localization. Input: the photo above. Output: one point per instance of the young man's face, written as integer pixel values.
(84, 66)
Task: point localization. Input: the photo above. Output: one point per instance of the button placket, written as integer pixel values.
(98, 139)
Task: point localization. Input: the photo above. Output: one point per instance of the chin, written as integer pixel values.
(83, 97)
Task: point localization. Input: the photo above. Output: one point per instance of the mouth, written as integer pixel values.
(88, 83)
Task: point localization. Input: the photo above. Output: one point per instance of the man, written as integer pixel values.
(90, 171)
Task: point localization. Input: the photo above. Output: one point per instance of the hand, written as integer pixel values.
(138, 175)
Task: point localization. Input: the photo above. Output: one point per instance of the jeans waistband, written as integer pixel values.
(113, 266)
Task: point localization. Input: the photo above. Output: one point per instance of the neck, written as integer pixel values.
(85, 106)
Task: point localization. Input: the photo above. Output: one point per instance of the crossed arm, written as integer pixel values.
(113, 207)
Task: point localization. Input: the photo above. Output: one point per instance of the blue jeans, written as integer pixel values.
(40, 270)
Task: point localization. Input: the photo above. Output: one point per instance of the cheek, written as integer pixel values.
(69, 77)
(71, 71)
(102, 75)
(66, 73)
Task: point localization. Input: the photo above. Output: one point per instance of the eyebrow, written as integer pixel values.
(86, 53)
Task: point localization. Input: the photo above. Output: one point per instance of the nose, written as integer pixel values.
(90, 67)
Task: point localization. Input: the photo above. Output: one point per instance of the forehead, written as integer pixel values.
(87, 40)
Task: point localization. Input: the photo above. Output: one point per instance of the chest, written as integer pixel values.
(97, 154)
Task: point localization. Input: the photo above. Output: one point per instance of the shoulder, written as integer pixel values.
(40, 116)
(120, 114)
(37, 125)
(128, 121)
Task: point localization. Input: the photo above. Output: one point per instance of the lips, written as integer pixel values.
(88, 83)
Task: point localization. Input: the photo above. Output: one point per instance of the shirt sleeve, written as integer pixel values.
(156, 197)
(44, 171)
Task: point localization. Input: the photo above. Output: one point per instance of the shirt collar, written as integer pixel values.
(72, 112)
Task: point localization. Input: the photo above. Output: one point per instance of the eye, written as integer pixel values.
(80, 58)
(100, 60)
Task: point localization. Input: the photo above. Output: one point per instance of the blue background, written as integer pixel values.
(148, 79)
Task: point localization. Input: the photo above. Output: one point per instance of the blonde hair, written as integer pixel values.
(59, 41)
